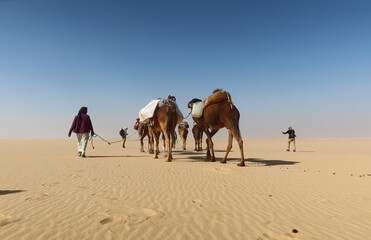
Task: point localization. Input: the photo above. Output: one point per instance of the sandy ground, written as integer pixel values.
(320, 192)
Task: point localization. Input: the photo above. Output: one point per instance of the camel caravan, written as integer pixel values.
(161, 116)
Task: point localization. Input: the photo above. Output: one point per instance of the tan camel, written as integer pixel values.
(183, 133)
(197, 135)
(144, 132)
(164, 121)
(219, 112)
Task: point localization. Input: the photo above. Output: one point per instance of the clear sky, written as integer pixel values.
(299, 63)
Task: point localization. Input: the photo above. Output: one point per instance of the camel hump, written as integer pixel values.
(218, 96)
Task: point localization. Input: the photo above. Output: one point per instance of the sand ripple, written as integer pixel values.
(124, 194)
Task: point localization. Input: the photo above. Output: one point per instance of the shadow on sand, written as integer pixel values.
(199, 157)
(5, 192)
(188, 153)
(270, 162)
(107, 156)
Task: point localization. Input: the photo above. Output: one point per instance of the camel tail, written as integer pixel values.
(171, 112)
(169, 123)
(229, 97)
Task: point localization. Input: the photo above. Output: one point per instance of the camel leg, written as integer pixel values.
(156, 139)
(141, 145)
(150, 142)
(163, 142)
(150, 145)
(200, 142)
(229, 146)
(237, 136)
(208, 154)
(169, 144)
(197, 145)
(150, 135)
(211, 143)
(242, 163)
(210, 146)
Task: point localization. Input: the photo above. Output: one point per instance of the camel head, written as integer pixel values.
(194, 100)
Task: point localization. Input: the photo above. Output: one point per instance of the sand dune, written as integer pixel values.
(320, 192)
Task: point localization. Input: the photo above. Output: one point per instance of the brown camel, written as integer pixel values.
(143, 132)
(219, 112)
(164, 121)
(183, 133)
(197, 135)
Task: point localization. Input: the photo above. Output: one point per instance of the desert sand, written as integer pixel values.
(322, 191)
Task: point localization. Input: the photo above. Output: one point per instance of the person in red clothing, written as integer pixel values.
(82, 126)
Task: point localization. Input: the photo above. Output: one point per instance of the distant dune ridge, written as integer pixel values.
(320, 192)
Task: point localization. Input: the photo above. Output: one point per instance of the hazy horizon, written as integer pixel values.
(305, 64)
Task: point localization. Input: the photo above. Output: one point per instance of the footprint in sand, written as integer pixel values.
(115, 219)
(139, 216)
(149, 212)
(200, 202)
(5, 220)
(37, 197)
(50, 184)
(130, 217)
(106, 220)
(276, 236)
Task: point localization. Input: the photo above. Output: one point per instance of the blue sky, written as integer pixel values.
(305, 64)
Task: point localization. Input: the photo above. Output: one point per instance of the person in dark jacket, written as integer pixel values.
(123, 133)
(82, 126)
(292, 136)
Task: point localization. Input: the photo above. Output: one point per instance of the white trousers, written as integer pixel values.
(82, 142)
(291, 140)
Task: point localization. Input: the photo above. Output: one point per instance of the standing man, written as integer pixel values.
(292, 137)
(123, 133)
(82, 126)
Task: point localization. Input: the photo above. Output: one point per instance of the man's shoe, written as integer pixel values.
(79, 154)
(83, 155)
(294, 151)
(288, 150)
